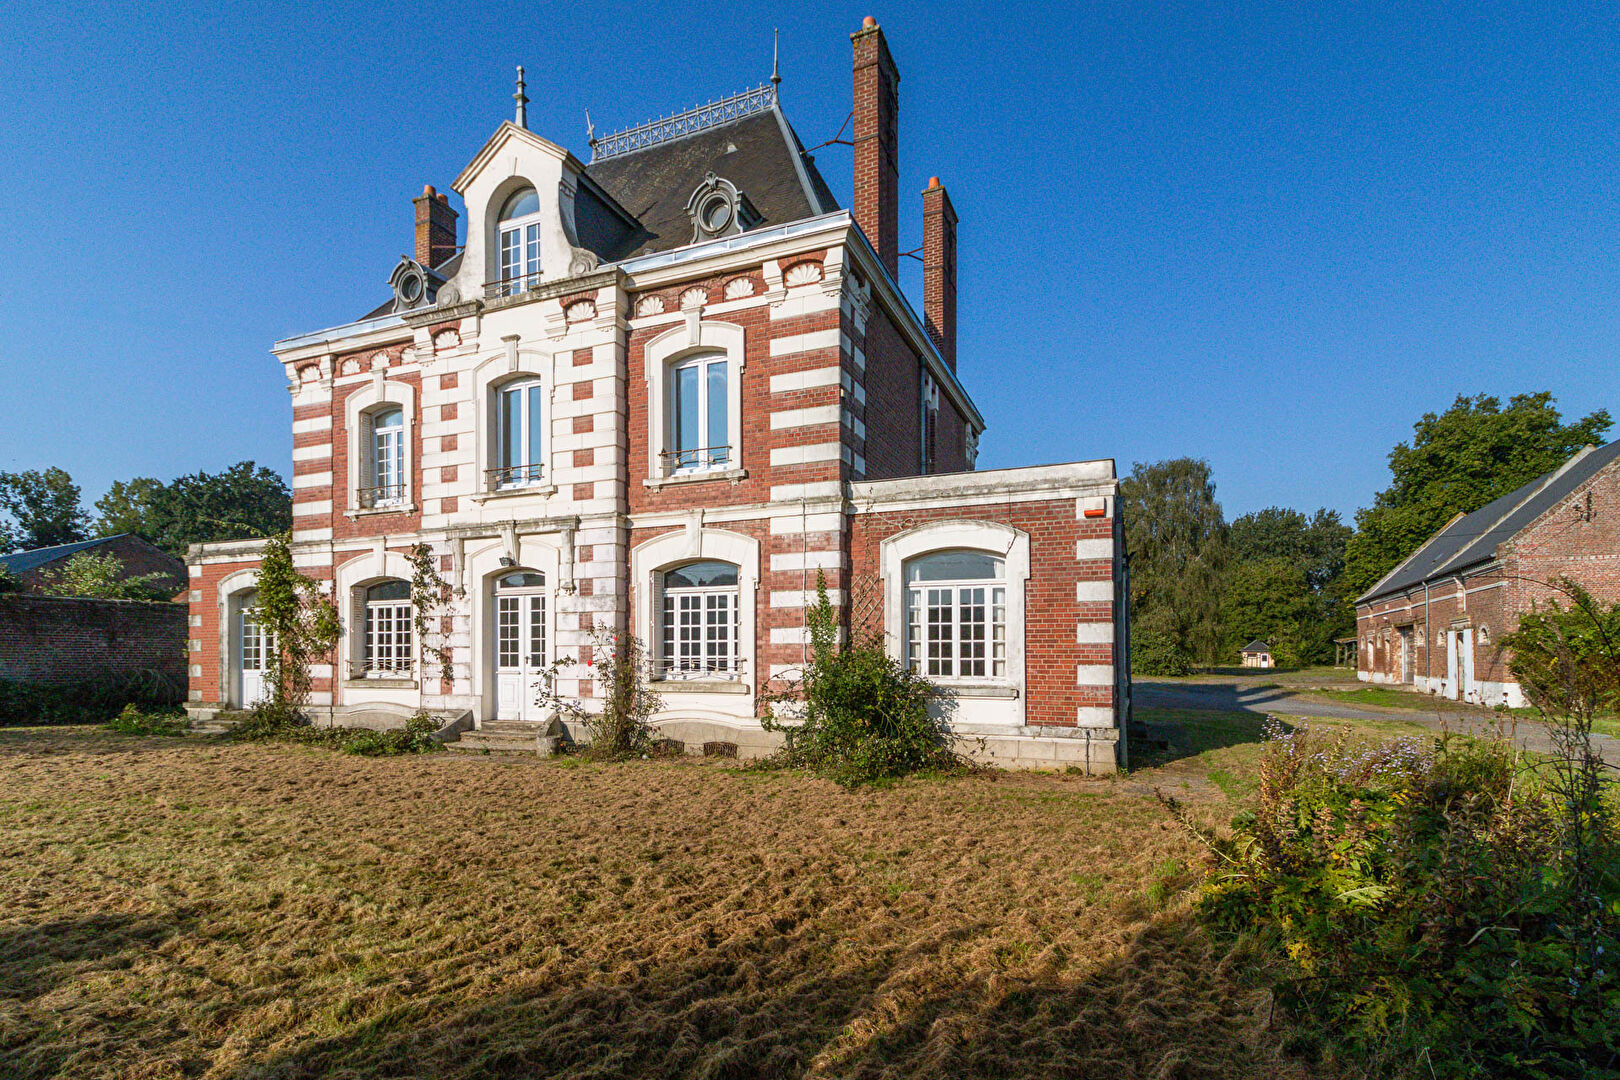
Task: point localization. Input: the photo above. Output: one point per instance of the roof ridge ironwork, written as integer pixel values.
(677, 125)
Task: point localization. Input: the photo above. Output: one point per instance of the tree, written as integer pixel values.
(1286, 584)
(102, 576)
(43, 507)
(1175, 536)
(243, 502)
(1457, 462)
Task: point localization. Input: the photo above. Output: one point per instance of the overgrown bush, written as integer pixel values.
(1154, 653)
(137, 721)
(863, 716)
(1422, 899)
(273, 722)
(94, 701)
(622, 728)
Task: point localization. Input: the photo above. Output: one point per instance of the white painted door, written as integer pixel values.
(1452, 658)
(1465, 650)
(520, 646)
(254, 654)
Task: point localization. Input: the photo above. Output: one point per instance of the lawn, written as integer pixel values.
(192, 908)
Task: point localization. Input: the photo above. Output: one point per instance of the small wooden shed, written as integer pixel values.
(1257, 654)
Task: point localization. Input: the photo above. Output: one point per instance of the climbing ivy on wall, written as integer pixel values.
(301, 619)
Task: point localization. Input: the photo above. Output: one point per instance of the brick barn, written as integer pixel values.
(1434, 622)
(662, 390)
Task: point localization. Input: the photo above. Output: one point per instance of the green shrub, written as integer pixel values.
(1423, 905)
(93, 701)
(271, 721)
(864, 716)
(136, 721)
(1154, 653)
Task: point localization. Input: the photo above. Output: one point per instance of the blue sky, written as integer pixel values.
(1270, 236)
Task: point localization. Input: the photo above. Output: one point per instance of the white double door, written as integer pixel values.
(255, 650)
(520, 655)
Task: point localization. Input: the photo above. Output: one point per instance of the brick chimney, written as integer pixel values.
(435, 228)
(939, 269)
(877, 151)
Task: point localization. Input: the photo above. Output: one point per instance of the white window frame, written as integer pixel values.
(681, 655)
(532, 639)
(651, 559)
(1008, 694)
(522, 273)
(385, 463)
(678, 461)
(379, 395)
(388, 638)
(508, 474)
(968, 659)
(689, 338)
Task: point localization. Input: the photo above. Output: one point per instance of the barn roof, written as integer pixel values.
(19, 562)
(1470, 540)
(1255, 646)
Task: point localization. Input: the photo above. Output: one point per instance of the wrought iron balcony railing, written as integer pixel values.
(511, 286)
(387, 495)
(504, 477)
(696, 459)
(716, 668)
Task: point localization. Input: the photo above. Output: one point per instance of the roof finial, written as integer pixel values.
(776, 70)
(522, 100)
(590, 131)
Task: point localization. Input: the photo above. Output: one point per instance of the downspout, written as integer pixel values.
(1428, 643)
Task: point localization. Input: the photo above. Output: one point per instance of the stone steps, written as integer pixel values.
(508, 736)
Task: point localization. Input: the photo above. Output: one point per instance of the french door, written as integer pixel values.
(520, 649)
(256, 648)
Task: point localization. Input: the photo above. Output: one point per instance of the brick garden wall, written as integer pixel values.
(60, 640)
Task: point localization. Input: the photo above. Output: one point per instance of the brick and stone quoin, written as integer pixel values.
(662, 391)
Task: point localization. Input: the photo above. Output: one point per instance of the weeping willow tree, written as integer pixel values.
(1175, 535)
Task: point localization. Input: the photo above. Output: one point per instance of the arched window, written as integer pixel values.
(700, 623)
(386, 646)
(519, 226)
(519, 434)
(956, 615)
(699, 417)
(386, 465)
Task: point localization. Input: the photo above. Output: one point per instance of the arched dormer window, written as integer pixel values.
(519, 242)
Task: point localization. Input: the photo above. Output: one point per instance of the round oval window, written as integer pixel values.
(410, 288)
(716, 213)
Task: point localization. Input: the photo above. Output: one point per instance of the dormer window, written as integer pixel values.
(718, 209)
(520, 242)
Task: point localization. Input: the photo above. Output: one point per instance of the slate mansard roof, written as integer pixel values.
(759, 153)
(1472, 539)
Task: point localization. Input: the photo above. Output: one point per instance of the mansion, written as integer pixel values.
(662, 391)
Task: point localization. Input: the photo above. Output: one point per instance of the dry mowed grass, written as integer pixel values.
(189, 908)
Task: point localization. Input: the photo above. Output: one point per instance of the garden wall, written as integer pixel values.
(63, 641)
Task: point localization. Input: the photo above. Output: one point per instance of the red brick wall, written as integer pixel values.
(139, 558)
(1051, 610)
(893, 381)
(59, 640)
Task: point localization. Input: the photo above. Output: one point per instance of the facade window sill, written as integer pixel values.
(379, 683)
(979, 690)
(700, 686)
(372, 511)
(533, 491)
(733, 475)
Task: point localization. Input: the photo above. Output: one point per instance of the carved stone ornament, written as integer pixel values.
(581, 262)
(737, 288)
(804, 273)
(580, 310)
(694, 297)
(650, 305)
(448, 296)
(448, 338)
(351, 366)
